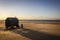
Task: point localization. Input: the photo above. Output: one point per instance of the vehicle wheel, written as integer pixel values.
(17, 26)
(6, 27)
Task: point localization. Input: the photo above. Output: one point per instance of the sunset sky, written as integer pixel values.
(30, 9)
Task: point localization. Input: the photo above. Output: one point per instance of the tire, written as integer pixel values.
(17, 26)
(6, 27)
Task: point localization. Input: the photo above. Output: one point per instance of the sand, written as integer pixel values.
(31, 31)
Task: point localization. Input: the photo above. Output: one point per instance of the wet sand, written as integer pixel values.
(31, 31)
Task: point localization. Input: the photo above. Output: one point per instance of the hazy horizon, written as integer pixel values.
(30, 9)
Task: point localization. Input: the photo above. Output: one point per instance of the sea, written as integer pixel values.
(41, 21)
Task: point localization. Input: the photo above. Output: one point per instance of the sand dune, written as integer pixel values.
(31, 31)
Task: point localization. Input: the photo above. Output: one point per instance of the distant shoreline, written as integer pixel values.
(38, 21)
(43, 20)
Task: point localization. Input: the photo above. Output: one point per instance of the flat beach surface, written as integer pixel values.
(31, 31)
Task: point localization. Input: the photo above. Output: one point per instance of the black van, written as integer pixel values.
(11, 22)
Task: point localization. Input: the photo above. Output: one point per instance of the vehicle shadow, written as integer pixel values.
(35, 35)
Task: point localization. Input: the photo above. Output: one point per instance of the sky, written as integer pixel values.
(30, 9)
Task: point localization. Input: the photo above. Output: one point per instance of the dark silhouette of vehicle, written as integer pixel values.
(11, 22)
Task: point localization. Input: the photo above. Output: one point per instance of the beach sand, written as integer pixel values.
(31, 31)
